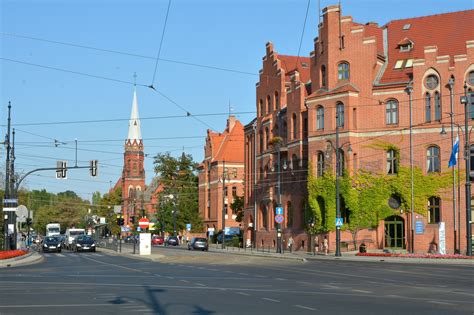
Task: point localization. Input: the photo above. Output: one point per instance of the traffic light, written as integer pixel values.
(93, 168)
(61, 169)
(120, 221)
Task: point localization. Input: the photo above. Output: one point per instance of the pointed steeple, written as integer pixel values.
(134, 130)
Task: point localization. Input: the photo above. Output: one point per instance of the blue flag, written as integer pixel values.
(454, 154)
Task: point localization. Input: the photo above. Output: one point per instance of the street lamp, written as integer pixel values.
(409, 90)
(465, 101)
(224, 201)
(337, 149)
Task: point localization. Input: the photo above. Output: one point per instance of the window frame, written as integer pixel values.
(340, 114)
(320, 118)
(392, 162)
(437, 106)
(433, 160)
(427, 107)
(434, 210)
(343, 71)
(320, 164)
(391, 112)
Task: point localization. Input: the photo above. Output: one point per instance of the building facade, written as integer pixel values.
(221, 176)
(379, 86)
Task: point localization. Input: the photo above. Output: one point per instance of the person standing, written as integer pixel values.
(326, 245)
(290, 244)
(316, 245)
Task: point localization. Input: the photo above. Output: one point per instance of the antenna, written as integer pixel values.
(135, 79)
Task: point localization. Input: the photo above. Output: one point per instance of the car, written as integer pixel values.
(228, 238)
(51, 244)
(157, 240)
(83, 243)
(198, 243)
(172, 241)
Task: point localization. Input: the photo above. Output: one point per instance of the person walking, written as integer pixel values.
(316, 245)
(326, 245)
(290, 244)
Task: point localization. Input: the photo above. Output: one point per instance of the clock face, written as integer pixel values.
(431, 82)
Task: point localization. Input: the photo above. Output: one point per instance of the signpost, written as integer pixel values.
(188, 226)
(143, 223)
(279, 218)
(339, 222)
(279, 210)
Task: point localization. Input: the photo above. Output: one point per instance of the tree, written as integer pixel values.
(237, 207)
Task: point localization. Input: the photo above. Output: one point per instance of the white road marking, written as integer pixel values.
(186, 281)
(305, 307)
(242, 293)
(171, 278)
(280, 279)
(271, 300)
(54, 305)
(442, 303)
(61, 255)
(200, 284)
(362, 291)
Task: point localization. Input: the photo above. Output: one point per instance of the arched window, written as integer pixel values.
(294, 162)
(269, 104)
(323, 75)
(261, 141)
(277, 100)
(340, 115)
(294, 126)
(434, 208)
(289, 207)
(262, 108)
(392, 163)
(427, 107)
(391, 112)
(320, 118)
(320, 165)
(340, 162)
(343, 71)
(433, 160)
(437, 103)
(285, 130)
(267, 137)
(264, 218)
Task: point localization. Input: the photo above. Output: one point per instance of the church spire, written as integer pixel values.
(134, 130)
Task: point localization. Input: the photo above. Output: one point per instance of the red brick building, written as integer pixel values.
(360, 72)
(223, 158)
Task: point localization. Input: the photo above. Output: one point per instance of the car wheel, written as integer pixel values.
(59, 251)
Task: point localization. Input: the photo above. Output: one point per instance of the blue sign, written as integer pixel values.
(232, 231)
(279, 210)
(188, 227)
(339, 222)
(139, 229)
(419, 227)
(278, 218)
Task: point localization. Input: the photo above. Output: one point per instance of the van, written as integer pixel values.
(71, 234)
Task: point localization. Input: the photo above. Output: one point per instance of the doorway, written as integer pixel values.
(394, 232)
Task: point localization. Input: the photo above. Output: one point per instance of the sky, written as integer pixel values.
(210, 56)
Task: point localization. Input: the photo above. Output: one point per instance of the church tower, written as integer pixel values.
(133, 174)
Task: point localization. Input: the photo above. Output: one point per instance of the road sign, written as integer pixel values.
(9, 209)
(10, 201)
(144, 223)
(419, 227)
(278, 218)
(339, 222)
(279, 210)
(188, 227)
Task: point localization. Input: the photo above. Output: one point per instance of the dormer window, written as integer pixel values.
(405, 45)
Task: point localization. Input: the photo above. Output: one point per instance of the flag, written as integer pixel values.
(454, 154)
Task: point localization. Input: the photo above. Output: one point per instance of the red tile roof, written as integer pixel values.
(229, 145)
(288, 63)
(449, 32)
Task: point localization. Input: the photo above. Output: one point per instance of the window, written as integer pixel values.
(470, 98)
(391, 112)
(433, 210)
(269, 104)
(392, 163)
(405, 47)
(234, 172)
(431, 82)
(472, 160)
(340, 162)
(320, 165)
(433, 160)
(409, 63)
(262, 109)
(294, 161)
(427, 107)
(305, 128)
(234, 191)
(264, 218)
(285, 130)
(261, 140)
(343, 71)
(470, 78)
(289, 207)
(267, 137)
(277, 101)
(437, 102)
(323, 75)
(399, 64)
(320, 118)
(294, 126)
(340, 115)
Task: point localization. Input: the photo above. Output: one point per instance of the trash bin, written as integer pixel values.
(363, 248)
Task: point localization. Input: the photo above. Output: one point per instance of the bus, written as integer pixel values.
(53, 229)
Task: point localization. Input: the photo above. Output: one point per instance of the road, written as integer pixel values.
(100, 283)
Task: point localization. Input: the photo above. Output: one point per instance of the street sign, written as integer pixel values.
(419, 227)
(144, 223)
(9, 209)
(339, 222)
(10, 201)
(188, 227)
(278, 218)
(279, 210)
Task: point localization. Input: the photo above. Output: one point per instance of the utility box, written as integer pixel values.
(145, 244)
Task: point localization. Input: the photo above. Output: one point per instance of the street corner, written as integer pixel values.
(24, 260)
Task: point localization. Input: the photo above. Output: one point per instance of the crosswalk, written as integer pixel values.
(71, 254)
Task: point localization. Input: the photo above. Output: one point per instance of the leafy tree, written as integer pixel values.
(104, 206)
(237, 206)
(178, 178)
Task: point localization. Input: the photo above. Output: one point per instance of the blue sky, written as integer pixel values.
(226, 34)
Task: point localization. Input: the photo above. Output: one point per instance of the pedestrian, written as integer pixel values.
(290, 244)
(316, 245)
(325, 245)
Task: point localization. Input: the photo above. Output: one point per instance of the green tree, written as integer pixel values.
(237, 207)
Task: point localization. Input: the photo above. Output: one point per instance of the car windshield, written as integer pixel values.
(75, 233)
(51, 239)
(200, 239)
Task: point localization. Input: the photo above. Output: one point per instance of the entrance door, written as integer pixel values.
(394, 232)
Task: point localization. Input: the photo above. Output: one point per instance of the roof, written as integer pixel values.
(348, 87)
(229, 145)
(288, 63)
(448, 32)
(134, 130)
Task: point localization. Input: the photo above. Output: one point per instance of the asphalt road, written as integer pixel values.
(99, 283)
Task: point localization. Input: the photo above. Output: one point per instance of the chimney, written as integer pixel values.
(231, 123)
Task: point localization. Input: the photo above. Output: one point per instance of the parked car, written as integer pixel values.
(51, 244)
(228, 238)
(199, 243)
(131, 238)
(157, 240)
(172, 241)
(83, 243)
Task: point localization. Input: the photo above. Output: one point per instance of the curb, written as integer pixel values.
(27, 259)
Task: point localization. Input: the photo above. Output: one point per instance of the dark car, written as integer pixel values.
(172, 241)
(228, 238)
(51, 244)
(198, 243)
(157, 240)
(83, 243)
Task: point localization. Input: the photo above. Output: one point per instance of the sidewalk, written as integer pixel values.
(28, 259)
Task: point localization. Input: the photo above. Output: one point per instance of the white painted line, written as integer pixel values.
(280, 279)
(54, 305)
(200, 284)
(305, 307)
(61, 255)
(442, 303)
(171, 278)
(242, 293)
(271, 300)
(186, 281)
(362, 291)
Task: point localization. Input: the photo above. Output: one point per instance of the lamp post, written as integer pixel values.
(465, 101)
(409, 90)
(337, 148)
(224, 175)
(254, 127)
(451, 115)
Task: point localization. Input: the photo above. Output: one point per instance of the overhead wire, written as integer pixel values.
(161, 44)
